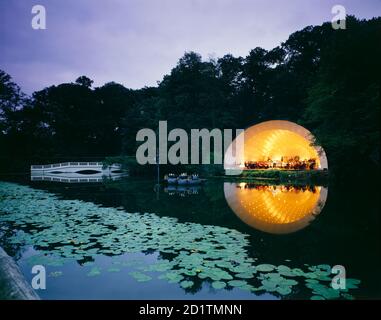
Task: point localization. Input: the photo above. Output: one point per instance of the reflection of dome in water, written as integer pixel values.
(278, 141)
(275, 209)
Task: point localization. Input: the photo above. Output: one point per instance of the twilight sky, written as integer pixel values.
(136, 42)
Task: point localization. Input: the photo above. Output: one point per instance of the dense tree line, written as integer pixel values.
(324, 79)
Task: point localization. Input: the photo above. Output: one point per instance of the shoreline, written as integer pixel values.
(13, 285)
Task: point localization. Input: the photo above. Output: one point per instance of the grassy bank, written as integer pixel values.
(150, 170)
(285, 176)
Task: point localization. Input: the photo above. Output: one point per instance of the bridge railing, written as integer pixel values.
(66, 164)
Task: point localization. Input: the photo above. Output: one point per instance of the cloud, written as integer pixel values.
(136, 42)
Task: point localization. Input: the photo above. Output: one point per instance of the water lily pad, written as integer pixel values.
(273, 276)
(283, 268)
(283, 290)
(140, 277)
(70, 230)
(246, 287)
(202, 275)
(237, 283)
(289, 282)
(298, 272)
(253, 289)
(244, 275)
(325, 267)
(269, 285)
(321, 290)
(95, 271)
(172, 277)
(265, 267)
(186, 284)
(317, 298)
(189, 272)
(224, 264)
(313, 281)
(351, 283)
(55, 274)
(218, 284)
(348, 296)
(243, 268)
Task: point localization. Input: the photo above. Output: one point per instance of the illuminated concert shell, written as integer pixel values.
(275, 139)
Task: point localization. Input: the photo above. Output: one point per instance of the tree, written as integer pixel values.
(323, 78)
(343, 105)
(16, 135)
(11, 101)
(84, 81)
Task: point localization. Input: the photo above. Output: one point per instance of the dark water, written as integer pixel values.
(225, 240)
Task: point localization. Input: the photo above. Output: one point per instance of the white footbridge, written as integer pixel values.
(76, 172)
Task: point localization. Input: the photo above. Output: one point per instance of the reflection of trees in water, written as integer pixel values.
(208, 207)
(72, 229)
(197, 282)
(79, 230)
(12, 249)
(9, 230)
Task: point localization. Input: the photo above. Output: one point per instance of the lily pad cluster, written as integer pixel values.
(67, 230)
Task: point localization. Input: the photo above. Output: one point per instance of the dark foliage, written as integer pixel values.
(324, 79)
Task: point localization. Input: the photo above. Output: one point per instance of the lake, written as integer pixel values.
(226, 239)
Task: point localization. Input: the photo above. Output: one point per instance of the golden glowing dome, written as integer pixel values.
(276, 140)
(275, 209)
